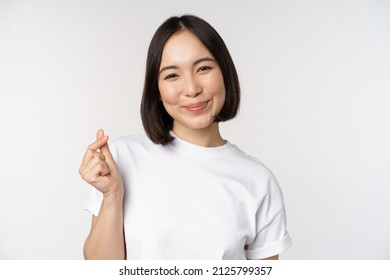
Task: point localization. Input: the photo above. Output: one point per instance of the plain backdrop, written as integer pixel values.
(315, 109)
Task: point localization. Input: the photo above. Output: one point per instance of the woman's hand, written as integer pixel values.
(99, 169)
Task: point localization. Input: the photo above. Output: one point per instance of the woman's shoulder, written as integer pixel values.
(130, 141)
(257, 174)
(133, 138)
(250, 163)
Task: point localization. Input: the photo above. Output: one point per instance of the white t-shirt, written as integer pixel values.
(184, 201)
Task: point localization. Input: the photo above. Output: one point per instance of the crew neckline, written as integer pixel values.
(190, 149)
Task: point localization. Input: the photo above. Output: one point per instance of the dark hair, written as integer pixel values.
(155, 119)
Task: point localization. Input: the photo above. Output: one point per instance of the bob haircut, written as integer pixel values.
(155, 119)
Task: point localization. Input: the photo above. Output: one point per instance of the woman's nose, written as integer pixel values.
(193, 87)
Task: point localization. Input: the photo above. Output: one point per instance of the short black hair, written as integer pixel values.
(155, 119)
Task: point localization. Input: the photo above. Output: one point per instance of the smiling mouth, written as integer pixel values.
(197, 107)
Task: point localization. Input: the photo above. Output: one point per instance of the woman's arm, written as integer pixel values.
(106, 239)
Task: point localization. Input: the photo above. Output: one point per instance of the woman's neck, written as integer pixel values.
(206, 137)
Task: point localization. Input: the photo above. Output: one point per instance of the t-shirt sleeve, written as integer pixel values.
(272, 237)
(94, 202)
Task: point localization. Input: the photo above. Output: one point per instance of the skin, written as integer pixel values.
(192, 90)
(189, 77)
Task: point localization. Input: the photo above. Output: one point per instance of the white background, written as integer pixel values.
(315, 109)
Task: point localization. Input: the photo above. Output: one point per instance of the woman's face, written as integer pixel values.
(190, 82)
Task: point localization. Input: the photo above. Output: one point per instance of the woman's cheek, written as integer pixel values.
(215, 84)
(169, 93)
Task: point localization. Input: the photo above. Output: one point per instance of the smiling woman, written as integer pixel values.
(182, 191)
(209, 53)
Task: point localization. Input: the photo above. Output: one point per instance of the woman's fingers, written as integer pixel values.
(93, 148)
(95, 163)
(94, 168)
(98, 166)
(104, 149)
(89, 155)
(100, 141)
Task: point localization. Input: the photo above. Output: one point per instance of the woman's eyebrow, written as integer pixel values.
(203, 59)
(200, 60)
(168, 67)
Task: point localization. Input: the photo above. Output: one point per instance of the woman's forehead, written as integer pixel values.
(184, 47)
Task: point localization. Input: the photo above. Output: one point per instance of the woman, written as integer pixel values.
(182, 191)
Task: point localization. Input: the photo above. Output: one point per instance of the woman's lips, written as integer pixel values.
(196, 107)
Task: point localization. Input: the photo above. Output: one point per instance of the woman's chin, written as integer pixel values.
(202, 124)
(195, 126)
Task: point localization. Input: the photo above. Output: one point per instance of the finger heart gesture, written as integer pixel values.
(98, 167)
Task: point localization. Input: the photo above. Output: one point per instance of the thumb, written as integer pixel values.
(105, 150)
(100, 134)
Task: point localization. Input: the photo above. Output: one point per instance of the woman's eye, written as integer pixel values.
(170, 76)
(204, 68)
